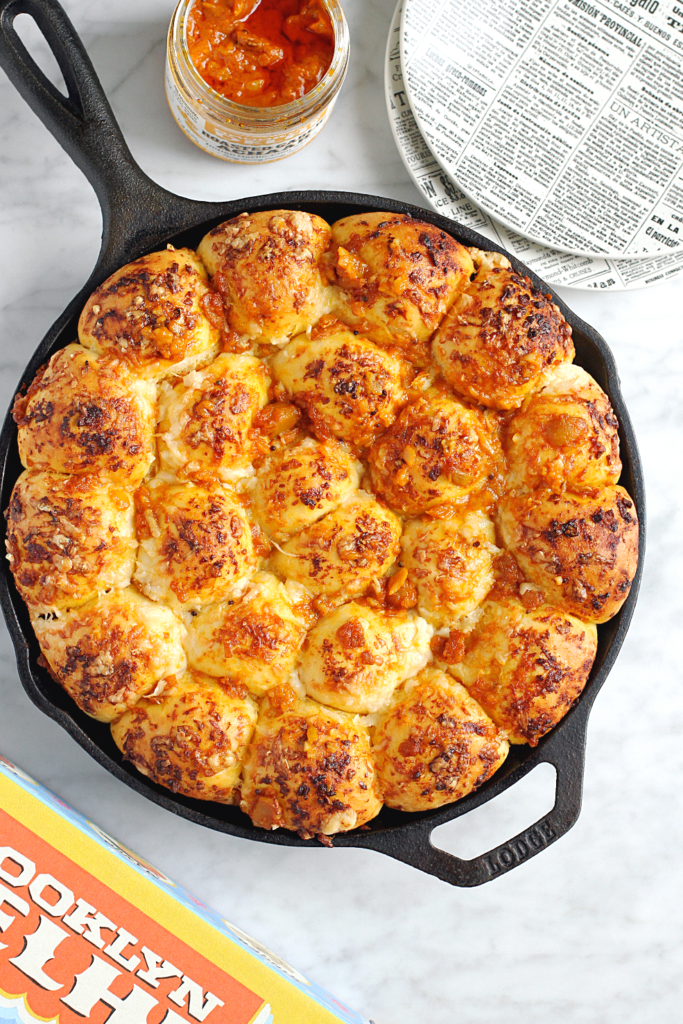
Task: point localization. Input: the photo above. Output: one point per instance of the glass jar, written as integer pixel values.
(234, 131)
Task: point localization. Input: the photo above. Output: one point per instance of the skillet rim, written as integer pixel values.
(391, 832)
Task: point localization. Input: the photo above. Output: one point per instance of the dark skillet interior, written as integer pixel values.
(564, 743)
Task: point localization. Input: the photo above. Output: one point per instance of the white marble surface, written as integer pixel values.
(590, 930)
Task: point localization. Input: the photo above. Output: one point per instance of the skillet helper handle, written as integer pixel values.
(84, 124)
(564, 750)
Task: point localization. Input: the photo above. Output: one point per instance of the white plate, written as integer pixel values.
(561, 118)
(557, 268)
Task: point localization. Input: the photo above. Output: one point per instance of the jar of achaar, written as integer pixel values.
(255, 80)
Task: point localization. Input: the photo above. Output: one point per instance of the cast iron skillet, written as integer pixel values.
(138, 217)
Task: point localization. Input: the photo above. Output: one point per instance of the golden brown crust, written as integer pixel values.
(450, 562)
(320, 516)
(297, 486)
(500, 336)
(195, 544)
(82, 414)
(152, 315)
(355, 657)
(206, 419)
(526, 668)
(191, 738)
(68, 537)
(437, 453)
(253, 639)
(112, 651)
(265, 265)
(397, 277)
(434, 744)
(344, 551)
(580, 550)
(566, 436)
(349, 387)
(309, 769)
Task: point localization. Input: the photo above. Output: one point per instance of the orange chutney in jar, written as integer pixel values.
(261, 53)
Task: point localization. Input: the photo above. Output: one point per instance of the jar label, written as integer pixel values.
(224, 142)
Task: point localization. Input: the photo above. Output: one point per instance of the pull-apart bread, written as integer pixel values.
(320, 518)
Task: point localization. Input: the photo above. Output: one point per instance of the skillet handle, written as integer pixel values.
(84, 124)
(565, 750)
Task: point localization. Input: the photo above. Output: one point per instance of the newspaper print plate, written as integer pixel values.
(562, 119)
(557, 268)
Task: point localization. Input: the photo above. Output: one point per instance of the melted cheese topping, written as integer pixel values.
(195, 545)
(434, 744)
(436, 454)
(355, 657)
(153, 315)
(344, 551)
(192, 737)
(526, 668)
(581, 550)
(253, 639)
(566, 436)
(396, 278)
(206, 419)
(309, 769)
(450, 562)
(266, 267)
(500, 337)
(69, 537)
(112, 651)
(280, 460)
(348, 386)
(298, 486)
(82, 414)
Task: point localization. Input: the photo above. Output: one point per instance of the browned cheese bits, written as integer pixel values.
(69, 537)
(450, 562)
(343, 552)
(112, 651)
(297, 486)
(195, 544)
(355, 657)
(86, 415)
(581, 551)
(308, 768)
(437, 453)
(266, 267)
(397, 277)
(500, 336)
(254, 639)
(434, 744)
(153, 315)
(206, 419)
(565, 436)
(192, 737)
(320, 517)
(349, 387)
(526, 667)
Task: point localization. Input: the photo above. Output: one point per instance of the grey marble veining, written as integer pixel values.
(590, 930)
